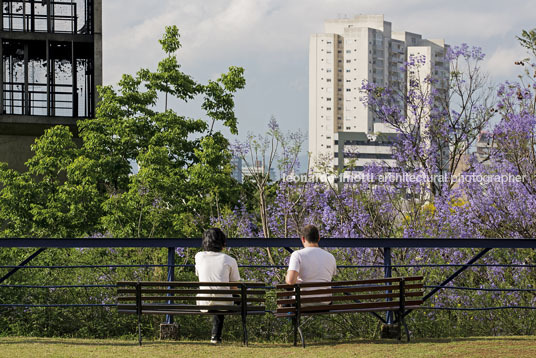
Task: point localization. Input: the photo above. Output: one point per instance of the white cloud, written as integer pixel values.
(501, 65)
(270, 38)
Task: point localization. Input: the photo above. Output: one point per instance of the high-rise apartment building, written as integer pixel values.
(349, 52)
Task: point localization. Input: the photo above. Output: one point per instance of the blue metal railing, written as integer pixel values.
(172, 244)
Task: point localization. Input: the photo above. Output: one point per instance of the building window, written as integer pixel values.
(328, 99)
(348, 128)
(348, 61)
(328, 108)
(348, 71)
(328, 70)
(329, 80)
(348, 90)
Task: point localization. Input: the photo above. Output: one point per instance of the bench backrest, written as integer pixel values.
(162, 297)
(389, 294)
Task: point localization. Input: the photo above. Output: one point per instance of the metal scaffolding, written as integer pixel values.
(48, 58)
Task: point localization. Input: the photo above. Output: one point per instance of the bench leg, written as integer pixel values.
(295, 326)
(139, 332)
(245, 331)
(403, 321)
(139, 329)
(301, 337)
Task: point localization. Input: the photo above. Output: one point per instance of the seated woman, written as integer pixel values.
(212, 265)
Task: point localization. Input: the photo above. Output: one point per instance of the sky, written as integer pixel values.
(270, 39)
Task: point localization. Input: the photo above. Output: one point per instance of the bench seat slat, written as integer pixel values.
(132, 310)
(185, 307)
(349, 289)
(292, 314)
(389, 305)
(348, 297)
(352, 283)
(189, 291)
(187, 298)
(179, 313)
(179, 298)
(187, 284)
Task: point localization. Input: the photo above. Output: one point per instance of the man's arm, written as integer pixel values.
(292, 277)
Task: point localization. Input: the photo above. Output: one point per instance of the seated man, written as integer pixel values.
(311, 264)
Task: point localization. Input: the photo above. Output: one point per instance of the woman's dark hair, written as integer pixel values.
(213, 240)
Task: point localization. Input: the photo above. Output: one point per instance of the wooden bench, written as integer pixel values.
(180, 298)
(396, 294)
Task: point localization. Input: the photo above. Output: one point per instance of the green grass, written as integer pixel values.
(518, 347)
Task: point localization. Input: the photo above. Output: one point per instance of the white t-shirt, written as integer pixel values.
(313, 264)
(215, 267)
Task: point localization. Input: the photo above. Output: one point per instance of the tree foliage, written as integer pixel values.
(79, 187)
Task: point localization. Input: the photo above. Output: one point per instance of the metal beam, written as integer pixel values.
(26, 89)
(2, 67)
(453, 276)
(387, 273)
(74, 81)
(23, 263)
(260, 242)
(43, 36)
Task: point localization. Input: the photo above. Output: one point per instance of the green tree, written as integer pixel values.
(80, 188)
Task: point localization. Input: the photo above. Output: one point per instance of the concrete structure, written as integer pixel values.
(51, 64)
(256, 169)
(236, 163)
(484, 146)
(354, 150)
(349, 52)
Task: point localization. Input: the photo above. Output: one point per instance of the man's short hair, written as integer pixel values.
(310, 233)
(214, 240)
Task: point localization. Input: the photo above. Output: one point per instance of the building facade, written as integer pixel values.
(349, 52)
(51, 66)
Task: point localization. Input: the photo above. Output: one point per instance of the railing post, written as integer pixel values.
(244, 311)
(170, 277)
(298, 313)
(138, 309)
(387, 274)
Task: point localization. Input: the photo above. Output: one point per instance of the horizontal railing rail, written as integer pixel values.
(271, 242)
(387, 244)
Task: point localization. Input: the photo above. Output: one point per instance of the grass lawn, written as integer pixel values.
(518, 347)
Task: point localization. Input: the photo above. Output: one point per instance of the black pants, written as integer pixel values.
(217, 326)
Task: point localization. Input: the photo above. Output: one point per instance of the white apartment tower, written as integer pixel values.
(349, 52)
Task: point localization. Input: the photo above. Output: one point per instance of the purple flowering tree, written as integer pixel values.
(437, 120)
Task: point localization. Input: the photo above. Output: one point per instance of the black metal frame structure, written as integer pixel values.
(288, 243)
(48, 58)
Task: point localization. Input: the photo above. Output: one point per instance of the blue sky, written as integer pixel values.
(270, 39)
